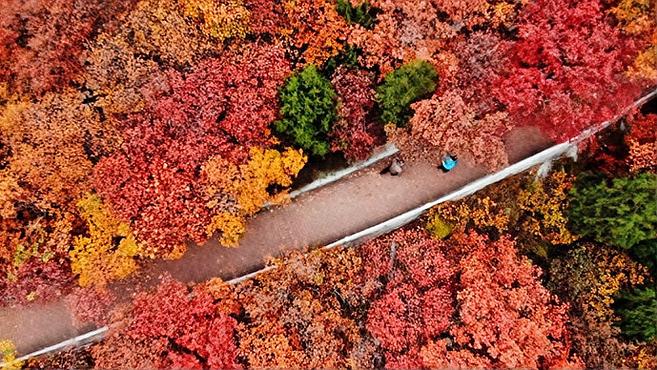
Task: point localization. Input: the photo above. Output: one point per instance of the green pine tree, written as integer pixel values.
(404, 86)
(638, 312)
(621, 213)
(308, 109)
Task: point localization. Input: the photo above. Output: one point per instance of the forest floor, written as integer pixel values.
(317, 218)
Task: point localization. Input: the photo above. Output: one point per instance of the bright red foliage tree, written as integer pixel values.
(465, 302)
(222, 108)
(567, 69)
(642, 143)
(174, 326)
(470, 65)
(417, 302)
(354, 132)
(35, 280)
(503, 308)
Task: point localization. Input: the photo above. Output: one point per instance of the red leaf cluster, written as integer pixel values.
(470, 65)
(416, 303)
(642, 143)
(222, 108)
(186, 327)
(302, 313)
(566, 71)
(503, 308)
(36, 280)
(353, 133)
(467, 302)
(41, 41)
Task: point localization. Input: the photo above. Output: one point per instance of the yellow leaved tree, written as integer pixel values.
(219, 19)
(248, 186)
(639, 18)
(108, 251)
(544, 204)
(8, 356)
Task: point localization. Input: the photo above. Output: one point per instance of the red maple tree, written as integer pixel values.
(354, 132)
(566, 71)
(467, 301)
(41, 41)
(222, 108)
(173, 327)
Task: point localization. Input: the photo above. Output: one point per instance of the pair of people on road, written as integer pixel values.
(447, 163)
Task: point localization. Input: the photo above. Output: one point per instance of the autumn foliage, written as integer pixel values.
(155, 180)
(642, 143)
(414, 298)
(354, 132)
(237, 192)
(567, 69)
(463, 306)
(130, 129)
(447, 125)
(41, 41)
(109, 250)
(591, 277)
(534, 209)
(302, 314)
(173, 326)
(637, 18)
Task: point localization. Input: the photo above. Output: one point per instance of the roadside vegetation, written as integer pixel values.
(130, 129)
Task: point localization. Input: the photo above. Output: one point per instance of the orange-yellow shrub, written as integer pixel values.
(51, 143)
(8, 356)
(220, 20)
(481, 213)
(503, 14)
(639, 18)
(266, 167)
(636, 16)
(645, 64)
(438, 228)
(231, 226)
(237, 192)
(593, 275)
(99, 258)
(543, 204)
(317, 27)
(588, 278)
(642, 156)
(646, 356)
(10, 191)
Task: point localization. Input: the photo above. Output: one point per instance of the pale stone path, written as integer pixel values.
(320, 217)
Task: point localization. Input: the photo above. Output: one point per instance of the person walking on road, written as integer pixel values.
(395, 168)
(448, 162)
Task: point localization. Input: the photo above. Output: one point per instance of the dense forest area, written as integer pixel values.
(527, 273)
(132, 128)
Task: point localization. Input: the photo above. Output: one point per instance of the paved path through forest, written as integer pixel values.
(317, 218)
